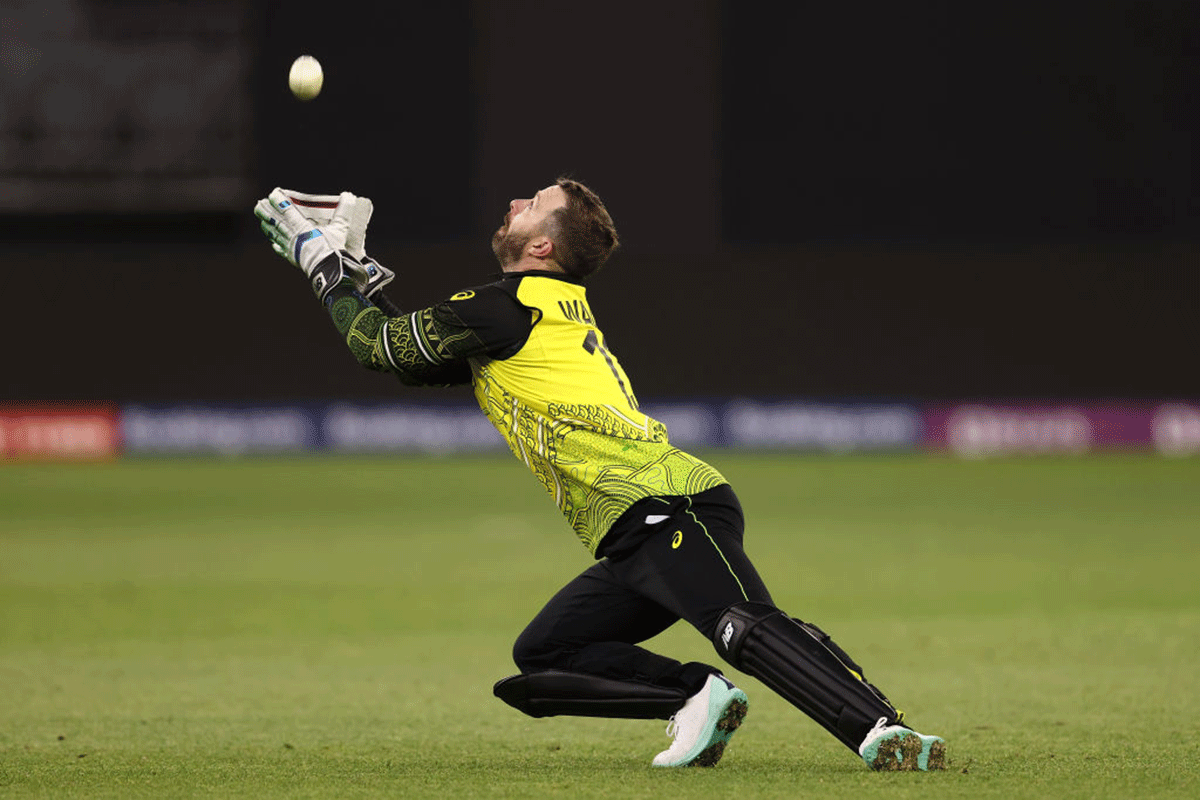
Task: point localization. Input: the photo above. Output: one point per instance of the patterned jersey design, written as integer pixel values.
(413, 346)
(567, 410)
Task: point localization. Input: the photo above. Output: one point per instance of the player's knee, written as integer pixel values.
(735, 624)
(524, 655)
(533, 653)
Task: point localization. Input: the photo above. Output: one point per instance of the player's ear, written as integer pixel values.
(541, 247)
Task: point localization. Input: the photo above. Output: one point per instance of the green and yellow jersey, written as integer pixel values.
(544, 375)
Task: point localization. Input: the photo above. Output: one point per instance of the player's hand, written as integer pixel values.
(371, 276)
(297, 238)
(359, 218)
(322, 208)
(316, 250)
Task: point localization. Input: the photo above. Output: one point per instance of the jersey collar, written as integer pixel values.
(541, 273)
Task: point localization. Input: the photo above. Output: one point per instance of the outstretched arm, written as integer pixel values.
(414, 346)
(429, 347)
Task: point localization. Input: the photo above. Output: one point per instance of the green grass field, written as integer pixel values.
(332, 628)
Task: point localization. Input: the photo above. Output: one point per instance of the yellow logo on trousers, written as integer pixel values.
(677, 540)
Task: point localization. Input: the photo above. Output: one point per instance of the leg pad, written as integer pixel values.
(802, 664)
(553, 692)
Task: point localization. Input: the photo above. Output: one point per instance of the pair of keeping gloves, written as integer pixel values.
(325, 235)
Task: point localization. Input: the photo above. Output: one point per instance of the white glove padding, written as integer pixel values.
(322, 208)
(315, 250)
(371, 276)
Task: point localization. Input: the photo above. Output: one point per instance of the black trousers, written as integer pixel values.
(669, 559)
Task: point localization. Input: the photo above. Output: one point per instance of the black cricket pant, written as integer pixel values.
(692, 567)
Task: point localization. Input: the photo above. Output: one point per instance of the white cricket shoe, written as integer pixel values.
(704, 725)
(894, 748)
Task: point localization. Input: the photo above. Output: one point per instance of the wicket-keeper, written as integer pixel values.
(665, 527)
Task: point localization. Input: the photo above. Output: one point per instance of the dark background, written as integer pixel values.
(927, 200)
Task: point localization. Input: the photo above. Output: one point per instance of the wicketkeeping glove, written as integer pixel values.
(319, 251)
(371, 276)
(321, 209)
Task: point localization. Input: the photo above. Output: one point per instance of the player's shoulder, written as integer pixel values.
(520, 289)
(541, 288)
(492, 310)
(495, 295)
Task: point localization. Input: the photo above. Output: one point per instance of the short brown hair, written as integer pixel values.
(583, 233)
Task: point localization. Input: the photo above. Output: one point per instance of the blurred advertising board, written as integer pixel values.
(388, 427)
(979, 430)
(461, 427)
(835, 428)
(971, 430)
(1177, 429)
(58, 433)
(222, 430)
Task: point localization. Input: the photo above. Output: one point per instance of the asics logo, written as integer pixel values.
(677, 540)
(727, 634)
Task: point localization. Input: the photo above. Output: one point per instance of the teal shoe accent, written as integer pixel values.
(898, 749)
(729, 711)
(727, 706)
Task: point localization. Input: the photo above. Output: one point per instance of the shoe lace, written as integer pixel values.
(879, 726)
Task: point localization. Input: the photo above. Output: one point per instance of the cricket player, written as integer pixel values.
(665, 527)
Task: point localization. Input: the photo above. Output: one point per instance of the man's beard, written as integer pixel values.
(508, 247)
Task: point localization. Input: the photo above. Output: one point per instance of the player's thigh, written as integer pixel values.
(695, 570)
(596, 606)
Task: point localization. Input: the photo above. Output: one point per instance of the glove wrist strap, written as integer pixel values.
(377, 276)
(327, 274)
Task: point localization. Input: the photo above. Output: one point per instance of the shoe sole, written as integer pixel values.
(909, 751)
(729, 721)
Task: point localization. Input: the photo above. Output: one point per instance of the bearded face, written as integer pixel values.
(508, 245)
(528, 222)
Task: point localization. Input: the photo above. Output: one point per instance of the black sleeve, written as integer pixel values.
(431, 346)
(495, 317)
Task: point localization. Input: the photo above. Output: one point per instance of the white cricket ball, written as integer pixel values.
(305, 78)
